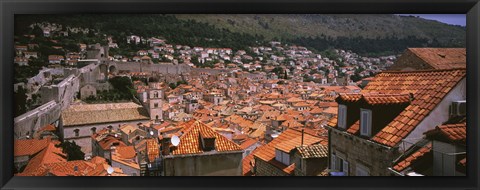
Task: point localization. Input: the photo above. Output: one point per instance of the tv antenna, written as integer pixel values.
(175, 140)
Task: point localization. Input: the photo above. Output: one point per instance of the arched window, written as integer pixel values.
(77, 132)
(94, 129)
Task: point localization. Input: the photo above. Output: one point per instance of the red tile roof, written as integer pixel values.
(442, 58)
(376, 98)
(126, 152)
(249, 142)
(190, 141)
(428, 87)
(407, 162)
(247, 164)
(51, 154)
(455, 133)
(153, 151)
(29, 147)
(463, 162)
(287, 139)
(313, 151)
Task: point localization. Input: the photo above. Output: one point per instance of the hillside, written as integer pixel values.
(363, 34)
(289, 26)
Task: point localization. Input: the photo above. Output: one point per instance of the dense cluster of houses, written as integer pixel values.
(239, 119)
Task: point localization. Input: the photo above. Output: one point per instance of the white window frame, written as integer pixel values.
(362, 170)
(366, 126)
(342, 116)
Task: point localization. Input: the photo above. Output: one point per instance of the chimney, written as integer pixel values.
(166, 144)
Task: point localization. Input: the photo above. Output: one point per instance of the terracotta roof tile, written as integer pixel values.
(407, 161)
(249, 142)
(293, 136)
(84, 114)
(29, 147)
(126, 152)
(190, 142)
(453, 132)
(51, 154)
(424, 84)
(153, 150)
(313, 151)
(442, 58)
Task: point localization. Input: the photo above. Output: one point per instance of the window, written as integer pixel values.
(94, 129)
(362, 170)
(155, 105)
(342, 116)
(366, 122)
(155, 94)
(339, 164)
(76, 131)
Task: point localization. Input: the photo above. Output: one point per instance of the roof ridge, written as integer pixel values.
(423, 71)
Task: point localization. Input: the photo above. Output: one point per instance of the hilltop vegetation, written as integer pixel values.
(364, 34)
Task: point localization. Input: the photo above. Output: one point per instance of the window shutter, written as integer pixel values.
(345, 167)
(364, 124)
(369, 124)
(342, 116)
(278, 155)
(333, 162)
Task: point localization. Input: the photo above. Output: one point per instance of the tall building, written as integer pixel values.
(155, 101)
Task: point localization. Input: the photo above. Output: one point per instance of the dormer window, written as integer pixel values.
(342, 116)
(365, 122)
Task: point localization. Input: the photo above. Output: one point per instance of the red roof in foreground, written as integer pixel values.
(190, 142)
(287, 141)
(29, 147)
(455, 133)
(407, 162)
(428, 87)
(442, 58)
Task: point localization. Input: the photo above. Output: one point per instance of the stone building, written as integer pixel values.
(310, 160)
(365, 140)
(201, 152)
(103, 141)
(79, 122)
(431, 58)
(155, 101)
(215, 98)
(125, 158)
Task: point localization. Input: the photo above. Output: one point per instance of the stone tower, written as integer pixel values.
(155, 101)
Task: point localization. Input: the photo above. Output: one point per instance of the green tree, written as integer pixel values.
(73, 151)
(20, 101)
